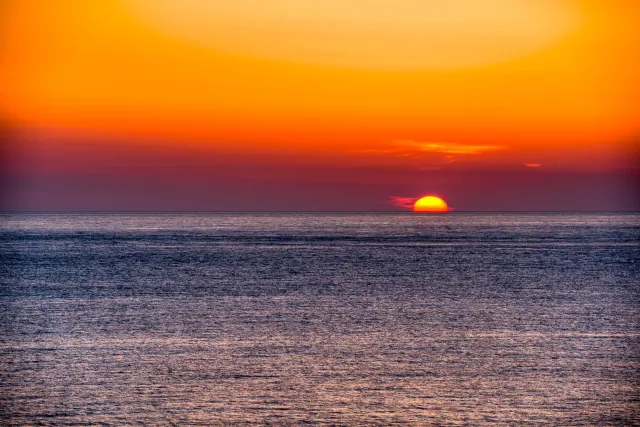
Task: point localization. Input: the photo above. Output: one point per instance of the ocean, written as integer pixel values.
(320, 318)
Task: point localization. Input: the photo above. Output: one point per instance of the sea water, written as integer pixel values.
(342, 319)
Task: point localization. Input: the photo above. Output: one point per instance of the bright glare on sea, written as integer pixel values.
(343, 319)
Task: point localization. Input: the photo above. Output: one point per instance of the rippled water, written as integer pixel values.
(320, 318)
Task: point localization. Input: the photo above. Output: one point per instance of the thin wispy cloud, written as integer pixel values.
(533, 165)
(451, 148)
(403, 202)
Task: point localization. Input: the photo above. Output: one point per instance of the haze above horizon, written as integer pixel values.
(276, 105)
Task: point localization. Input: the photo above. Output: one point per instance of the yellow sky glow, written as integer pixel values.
(329, 76)
(371, 34)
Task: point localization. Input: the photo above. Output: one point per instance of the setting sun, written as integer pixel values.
(430, 204)
(319, 105)
(276, 170)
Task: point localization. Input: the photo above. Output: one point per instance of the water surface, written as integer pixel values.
(320, 318)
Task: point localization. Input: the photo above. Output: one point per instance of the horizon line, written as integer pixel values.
(408, 212)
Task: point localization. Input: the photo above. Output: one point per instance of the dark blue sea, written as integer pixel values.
(328, 319)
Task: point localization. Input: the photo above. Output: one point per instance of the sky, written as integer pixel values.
(319, 105)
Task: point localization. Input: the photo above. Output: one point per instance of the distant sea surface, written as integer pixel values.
(343, 319)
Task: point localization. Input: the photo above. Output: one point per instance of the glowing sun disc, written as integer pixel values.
(430, 204)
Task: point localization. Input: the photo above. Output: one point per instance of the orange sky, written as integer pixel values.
(405, 83)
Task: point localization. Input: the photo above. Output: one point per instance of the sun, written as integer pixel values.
(430, 204)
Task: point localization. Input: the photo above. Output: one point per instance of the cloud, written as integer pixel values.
(532, 165)
(403, 202)
(450, 148)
